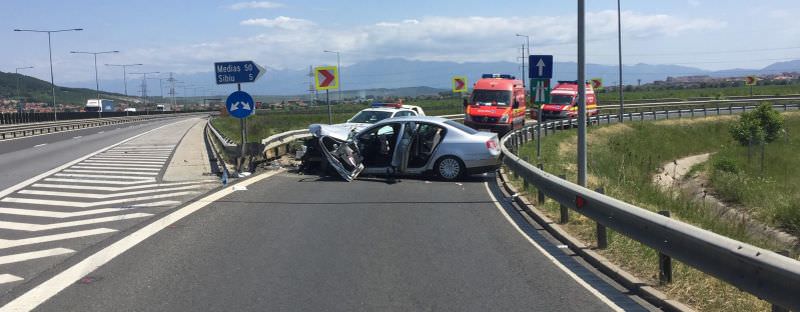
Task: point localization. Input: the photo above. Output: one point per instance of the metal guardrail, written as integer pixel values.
(29, 129)
(704, 102)
(30, 117)
(761, 272)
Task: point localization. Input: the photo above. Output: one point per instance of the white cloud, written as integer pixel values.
(283, 22)
(295, 43)
(255, 5)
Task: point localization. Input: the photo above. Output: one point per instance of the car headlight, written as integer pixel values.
(504, 119)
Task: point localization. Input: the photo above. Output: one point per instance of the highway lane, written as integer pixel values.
(27, 157)
(301, 243)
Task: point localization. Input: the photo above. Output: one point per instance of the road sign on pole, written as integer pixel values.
(540, 67)
(240, 104)
(597, 83)
(540, 91)
(459, 84)
(751, 80)
(238, 72)
(326, 77)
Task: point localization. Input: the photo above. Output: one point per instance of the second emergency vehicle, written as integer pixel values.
(564, 102)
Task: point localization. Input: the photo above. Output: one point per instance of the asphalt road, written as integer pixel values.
(301, 243)
(27, 157)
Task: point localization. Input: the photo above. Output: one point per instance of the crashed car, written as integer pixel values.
(407, 146)
(378, 112)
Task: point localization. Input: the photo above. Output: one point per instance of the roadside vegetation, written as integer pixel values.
(647, 92)
(623, 158)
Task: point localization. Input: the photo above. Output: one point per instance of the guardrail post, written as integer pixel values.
(524, 181)
(664, 261)
(667, 112)
(692, 113)
(564, 210)
(785, 107)
(602, 235)
(608, 119)
(655, 117)
(539, 193)
(717, 105)
(730, 109)
(680, 112)
(705, 111)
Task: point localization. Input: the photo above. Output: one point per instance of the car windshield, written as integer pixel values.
(491, 97)
(560, 99)
(370, 117)
(461, 127)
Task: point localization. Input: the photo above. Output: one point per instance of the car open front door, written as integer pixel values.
(402, 150)
(344, 156)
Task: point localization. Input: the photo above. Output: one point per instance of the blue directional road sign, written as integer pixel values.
(240, 104)
(238, 72)
(540, 66)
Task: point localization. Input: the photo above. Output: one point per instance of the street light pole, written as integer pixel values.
(124, 73)
(338, 73)
(619, 41)
(50, 49)
(96, 76)
(581, 93)
(19, 95)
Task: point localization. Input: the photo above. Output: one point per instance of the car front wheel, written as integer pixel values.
(449, 168)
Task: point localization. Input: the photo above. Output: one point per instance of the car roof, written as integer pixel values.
(415, 118)
(384, 109)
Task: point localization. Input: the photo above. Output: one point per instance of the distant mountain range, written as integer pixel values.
(398, 73)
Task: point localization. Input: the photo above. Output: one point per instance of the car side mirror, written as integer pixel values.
(465, 103)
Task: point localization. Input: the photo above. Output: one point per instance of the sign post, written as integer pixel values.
(540, 70)
(239, 104)
(751, 81)
(326, 78)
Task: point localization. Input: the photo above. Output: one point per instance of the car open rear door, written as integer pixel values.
(343, 156)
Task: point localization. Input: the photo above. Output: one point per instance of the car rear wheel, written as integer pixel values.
(449, 168)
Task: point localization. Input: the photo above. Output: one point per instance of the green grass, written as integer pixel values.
(268, 122)
(623, 160)
(773, 195)
(644, 93)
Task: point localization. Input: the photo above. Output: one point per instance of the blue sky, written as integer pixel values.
(188, 36)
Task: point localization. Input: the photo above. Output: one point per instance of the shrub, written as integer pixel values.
(763, 124)
(725, 164)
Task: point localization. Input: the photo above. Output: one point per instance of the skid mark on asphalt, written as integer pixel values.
(86, 200)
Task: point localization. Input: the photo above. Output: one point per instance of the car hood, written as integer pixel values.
(337, 131)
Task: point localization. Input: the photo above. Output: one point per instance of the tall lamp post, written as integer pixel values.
(338, 73)
(50, 48)
(96, 76)
(19, 95)
(619, 41)
(124, 73)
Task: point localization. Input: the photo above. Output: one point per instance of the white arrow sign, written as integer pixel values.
(540, 65)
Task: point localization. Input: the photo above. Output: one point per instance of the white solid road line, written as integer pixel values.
(125, 162)
(121, 188)
(77, 137)
(8, 243)
(34, 255)
(117, 164)
(112, 167)
(111, 171)
(32, 227)
(135, 154)
(40, 145)
(162, 203)
(90, 181)
(550, 257)
(91, 204)
(56, 214)
(8, 278)
(49, 288)
(80, 175)
(102, 196)
(43, 175)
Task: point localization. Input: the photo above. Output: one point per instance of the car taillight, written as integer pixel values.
(491, 145)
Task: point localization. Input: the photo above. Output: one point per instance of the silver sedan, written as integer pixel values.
(408, 146)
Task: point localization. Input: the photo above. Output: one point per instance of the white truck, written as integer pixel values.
(101, 105)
